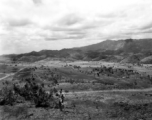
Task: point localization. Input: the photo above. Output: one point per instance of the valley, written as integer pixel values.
(92, 90)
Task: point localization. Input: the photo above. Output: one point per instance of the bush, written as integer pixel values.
(35, 93)
(7, 96)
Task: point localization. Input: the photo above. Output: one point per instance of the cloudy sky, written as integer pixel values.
(27, 25)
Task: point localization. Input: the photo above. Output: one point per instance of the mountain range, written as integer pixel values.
(126, 51)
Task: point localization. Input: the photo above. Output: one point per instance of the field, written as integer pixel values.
(92, 90)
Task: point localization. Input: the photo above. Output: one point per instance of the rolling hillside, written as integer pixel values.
(118, 50)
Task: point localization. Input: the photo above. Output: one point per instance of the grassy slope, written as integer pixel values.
(95, 106)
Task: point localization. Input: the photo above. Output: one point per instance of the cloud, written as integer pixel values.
(76, 32)
(63, 35)
(77, 37)
(70, 19)
(73, 27)
(146, 26)
(55, 24)
(113, 15)
(37, 2)
(18, 22)
(146, 31)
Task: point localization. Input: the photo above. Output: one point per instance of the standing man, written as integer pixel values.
(61, 99)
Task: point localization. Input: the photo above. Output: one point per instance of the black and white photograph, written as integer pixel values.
(75, 59)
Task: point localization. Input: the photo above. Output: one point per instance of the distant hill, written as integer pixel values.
(105, 45)
(128, 45)
(5, 59)
(131, 59)
(128, 50)
(147, 60)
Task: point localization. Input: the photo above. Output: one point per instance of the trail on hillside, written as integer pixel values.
(114, 90)
(11, 74)
(8, 75)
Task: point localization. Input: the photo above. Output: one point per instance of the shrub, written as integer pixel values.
(7, 96)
